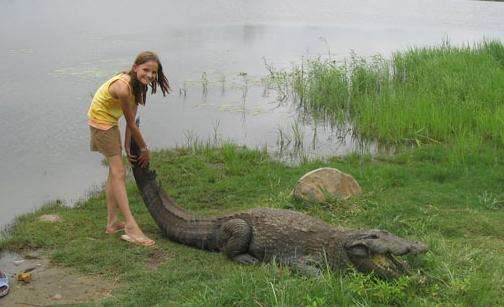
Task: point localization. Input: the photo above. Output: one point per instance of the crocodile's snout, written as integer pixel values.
(375, 250)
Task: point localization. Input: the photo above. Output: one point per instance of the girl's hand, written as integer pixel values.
(144, 158)
(131, 158)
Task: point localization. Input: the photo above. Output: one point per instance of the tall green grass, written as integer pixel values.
(441, 94)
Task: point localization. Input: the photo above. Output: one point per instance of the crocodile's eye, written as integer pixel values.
(368, 236)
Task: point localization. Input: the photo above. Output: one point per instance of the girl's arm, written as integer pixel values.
(127, 136)
(120, 91)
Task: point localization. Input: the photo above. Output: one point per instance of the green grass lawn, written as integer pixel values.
(456, 208)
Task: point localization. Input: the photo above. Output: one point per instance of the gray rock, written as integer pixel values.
(314, 186)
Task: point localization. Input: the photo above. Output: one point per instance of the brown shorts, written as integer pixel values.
(107, 142)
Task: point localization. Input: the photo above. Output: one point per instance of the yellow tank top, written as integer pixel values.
(106, 110)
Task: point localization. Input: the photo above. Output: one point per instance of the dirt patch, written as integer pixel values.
(50, 284)
(157, 257)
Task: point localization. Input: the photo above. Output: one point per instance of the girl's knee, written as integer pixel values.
(118, 174)
(116, 169)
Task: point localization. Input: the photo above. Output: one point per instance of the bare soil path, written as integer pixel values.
(50, 284)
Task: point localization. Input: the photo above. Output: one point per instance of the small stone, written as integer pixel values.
(18, 262)
(315, 185)
(56, 297)
(50, 218)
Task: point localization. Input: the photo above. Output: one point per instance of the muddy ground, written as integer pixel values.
(50, 284)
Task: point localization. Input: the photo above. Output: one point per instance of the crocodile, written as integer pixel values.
(306, 244)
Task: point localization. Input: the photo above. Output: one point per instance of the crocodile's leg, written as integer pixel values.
(235, 236)
(305, 266)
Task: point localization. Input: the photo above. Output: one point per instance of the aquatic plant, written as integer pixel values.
(204, 83)
(441, 94)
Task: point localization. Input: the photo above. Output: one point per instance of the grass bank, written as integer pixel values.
(456, 208)
(441, 94)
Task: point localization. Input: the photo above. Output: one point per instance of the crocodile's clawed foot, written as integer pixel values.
(245, 259)
(307, 271)
(305, 266)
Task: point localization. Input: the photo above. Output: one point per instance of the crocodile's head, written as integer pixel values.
(378, 251)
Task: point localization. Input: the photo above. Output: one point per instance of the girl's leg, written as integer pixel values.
(113, 224)
(118, 192)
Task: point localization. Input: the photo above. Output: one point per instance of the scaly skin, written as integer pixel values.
(292, 238)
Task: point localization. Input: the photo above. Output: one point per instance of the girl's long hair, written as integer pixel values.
(140, 90)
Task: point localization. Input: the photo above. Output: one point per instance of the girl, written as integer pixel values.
(121, 95)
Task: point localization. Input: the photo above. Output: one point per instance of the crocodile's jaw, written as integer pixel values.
(384, 265)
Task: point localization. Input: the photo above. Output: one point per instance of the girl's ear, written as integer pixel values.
(134, 67)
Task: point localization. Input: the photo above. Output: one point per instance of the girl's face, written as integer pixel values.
(146, 72)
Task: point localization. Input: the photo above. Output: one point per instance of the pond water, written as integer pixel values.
(54, 55)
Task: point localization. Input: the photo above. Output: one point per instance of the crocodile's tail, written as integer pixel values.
(172, 219)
